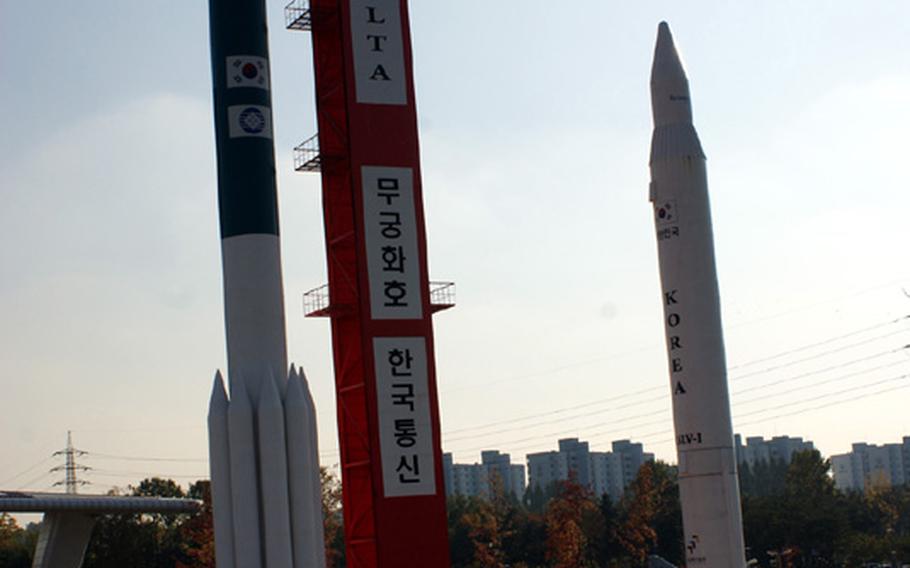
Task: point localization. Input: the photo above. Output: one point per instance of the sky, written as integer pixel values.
(534, 126)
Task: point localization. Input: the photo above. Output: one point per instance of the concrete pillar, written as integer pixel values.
(63, 540)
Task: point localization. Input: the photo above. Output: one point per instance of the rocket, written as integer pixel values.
(263, 452)
(708, 483)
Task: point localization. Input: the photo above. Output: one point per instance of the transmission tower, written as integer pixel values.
(70, 466)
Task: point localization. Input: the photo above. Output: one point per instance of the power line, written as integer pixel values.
(820, 343)
(734, 378)
(592, 360)
(30, 469)
(653, 414)
(144, 459)
(825, 369)
(817, 384)
(663, 397)
(147, 475)
(801, 410)
(557, 411)
(823, 396)
(31, 482)
(827, 405)
(819, 355)
(557, 420)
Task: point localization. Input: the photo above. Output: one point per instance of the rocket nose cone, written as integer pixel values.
(666, 65)
(669, 85)
(663, 32)
(219, 396)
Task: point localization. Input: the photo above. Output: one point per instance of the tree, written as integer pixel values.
(198, 533)
(816, 519)
(461, 547)
(667, 519)
(573, 521)
(332, 518)
(16, 543)
(485, 534)
(765, 477)
(637, 534)
(536, 497)
(609, 548)
(808, 517)
(140, 541)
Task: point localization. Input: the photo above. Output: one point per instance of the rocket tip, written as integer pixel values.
(219, 381)
(667, 63)
(219, 395)
(664, 41)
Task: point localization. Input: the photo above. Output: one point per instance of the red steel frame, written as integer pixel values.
(379, 531)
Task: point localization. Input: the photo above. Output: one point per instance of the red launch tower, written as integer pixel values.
(378, 297)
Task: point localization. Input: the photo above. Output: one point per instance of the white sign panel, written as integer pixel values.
(405, 429)
(249, 121)
(378, 47)
(247, 71)
(390, 232)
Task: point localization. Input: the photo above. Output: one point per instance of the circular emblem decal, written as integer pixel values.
(250, 71)
(252, 121)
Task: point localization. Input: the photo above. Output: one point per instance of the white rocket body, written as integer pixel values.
(253, 310)
(708, 484)
(266, 494)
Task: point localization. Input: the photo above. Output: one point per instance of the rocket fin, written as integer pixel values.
(244, 482)
(316, 481)
(303, 474)
(220, 465)
(273, 480)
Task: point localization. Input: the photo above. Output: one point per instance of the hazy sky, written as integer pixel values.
(535, 125)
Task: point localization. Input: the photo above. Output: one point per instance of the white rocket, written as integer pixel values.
(708, 484)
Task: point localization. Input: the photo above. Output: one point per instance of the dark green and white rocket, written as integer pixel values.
(262, 439)
(247, 196)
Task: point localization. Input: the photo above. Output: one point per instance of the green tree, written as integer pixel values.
(16, 544)
(667, 519)
(809, 517)
(609, 548)
(461, 547)
(762, 479)
(536, 498)
(140, 540)
(815, 518)
(332, 518)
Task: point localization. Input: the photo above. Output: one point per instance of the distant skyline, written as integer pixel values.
(535, 125)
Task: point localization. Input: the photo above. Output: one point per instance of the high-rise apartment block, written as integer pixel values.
(778, 448)
(477, 479)
(871, 466)
(602, 472)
